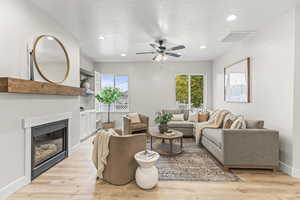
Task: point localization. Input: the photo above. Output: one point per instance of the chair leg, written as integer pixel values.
(274, 169)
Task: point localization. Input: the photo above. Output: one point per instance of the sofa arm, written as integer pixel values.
(251, 147)
(144, 119)
(126, 125)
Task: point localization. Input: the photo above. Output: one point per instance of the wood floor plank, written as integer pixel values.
(75, 179)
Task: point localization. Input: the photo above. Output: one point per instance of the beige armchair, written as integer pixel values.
(121, 165)
(130, 128)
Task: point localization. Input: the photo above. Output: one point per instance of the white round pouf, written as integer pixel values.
(146, 175)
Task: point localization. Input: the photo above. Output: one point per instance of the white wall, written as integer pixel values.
(296, 138)
(272, 73)
(86, 63)
(152, 85)
(20, 23)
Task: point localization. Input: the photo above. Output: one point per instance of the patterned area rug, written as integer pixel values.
(194, 164)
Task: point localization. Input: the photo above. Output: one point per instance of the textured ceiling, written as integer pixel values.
(129, 25)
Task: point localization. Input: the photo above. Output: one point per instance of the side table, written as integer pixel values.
(146, 175)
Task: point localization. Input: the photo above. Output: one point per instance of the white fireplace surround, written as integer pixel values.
(28, 123)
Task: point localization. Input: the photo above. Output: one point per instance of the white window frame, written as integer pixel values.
(113, 108)
(189, 88)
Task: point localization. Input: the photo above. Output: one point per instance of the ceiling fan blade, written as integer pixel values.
(146, 52)
(176, 48)
(155, 46)
(173, 54)
(154, 58)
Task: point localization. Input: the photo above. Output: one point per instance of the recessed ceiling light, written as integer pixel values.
(123, 54)
(203, 47)
(231, 18)
(101, 37)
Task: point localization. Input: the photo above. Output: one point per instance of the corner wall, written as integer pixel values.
(296, 122)
(271, 52)
(21, 22)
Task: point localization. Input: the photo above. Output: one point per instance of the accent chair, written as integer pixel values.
(121, 165)
(130, 128)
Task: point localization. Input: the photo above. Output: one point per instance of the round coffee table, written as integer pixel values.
(170, 148)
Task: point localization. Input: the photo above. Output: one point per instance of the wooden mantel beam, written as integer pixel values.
(21, 86)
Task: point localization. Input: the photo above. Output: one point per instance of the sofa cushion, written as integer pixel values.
(174, 111)
(214, 135)
(138, 126)
(255, 124)
(180, 124)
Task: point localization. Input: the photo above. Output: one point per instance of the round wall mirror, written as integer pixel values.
(51, 59)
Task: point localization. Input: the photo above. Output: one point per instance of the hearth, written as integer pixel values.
(49, 146)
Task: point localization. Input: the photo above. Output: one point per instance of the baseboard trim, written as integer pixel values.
(74, 149)
(285, 168)
(296, 173)
(13, 187)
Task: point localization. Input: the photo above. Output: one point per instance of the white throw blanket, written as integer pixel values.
(215, 121)
(101, 150)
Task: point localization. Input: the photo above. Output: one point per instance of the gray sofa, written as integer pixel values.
(186, 127)
(243, 148)
(253, 147)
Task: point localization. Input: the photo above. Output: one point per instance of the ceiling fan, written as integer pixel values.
(161, 51)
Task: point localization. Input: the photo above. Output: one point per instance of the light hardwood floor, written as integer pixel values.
(75, 179)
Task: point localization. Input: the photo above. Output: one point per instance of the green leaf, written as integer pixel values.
(163, 119)
(109, 95)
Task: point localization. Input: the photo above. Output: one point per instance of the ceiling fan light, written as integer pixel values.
(164, 58)
(101, 37)
(231, 18)
(158, 58)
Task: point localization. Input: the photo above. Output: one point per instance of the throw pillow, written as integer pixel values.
(227, 124)
(193, 117)
(203, 117)
(228, 120)
(213, 115)
(178, 117)
(239, 123)
(134, 117)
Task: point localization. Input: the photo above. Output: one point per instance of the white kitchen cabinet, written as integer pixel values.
(87, 123)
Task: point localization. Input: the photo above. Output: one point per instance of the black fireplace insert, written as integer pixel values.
(49, 146)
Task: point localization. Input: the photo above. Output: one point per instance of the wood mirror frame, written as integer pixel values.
(246, 68)
(34, 57)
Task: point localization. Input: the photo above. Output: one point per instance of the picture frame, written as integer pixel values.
(237, 82)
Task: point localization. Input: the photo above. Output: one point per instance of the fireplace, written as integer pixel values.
(49, 146)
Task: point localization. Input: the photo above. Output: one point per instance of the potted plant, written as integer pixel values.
(162, 120)
(109, 96)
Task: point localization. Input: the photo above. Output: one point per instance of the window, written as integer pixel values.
(120, 82)
(189, 91)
